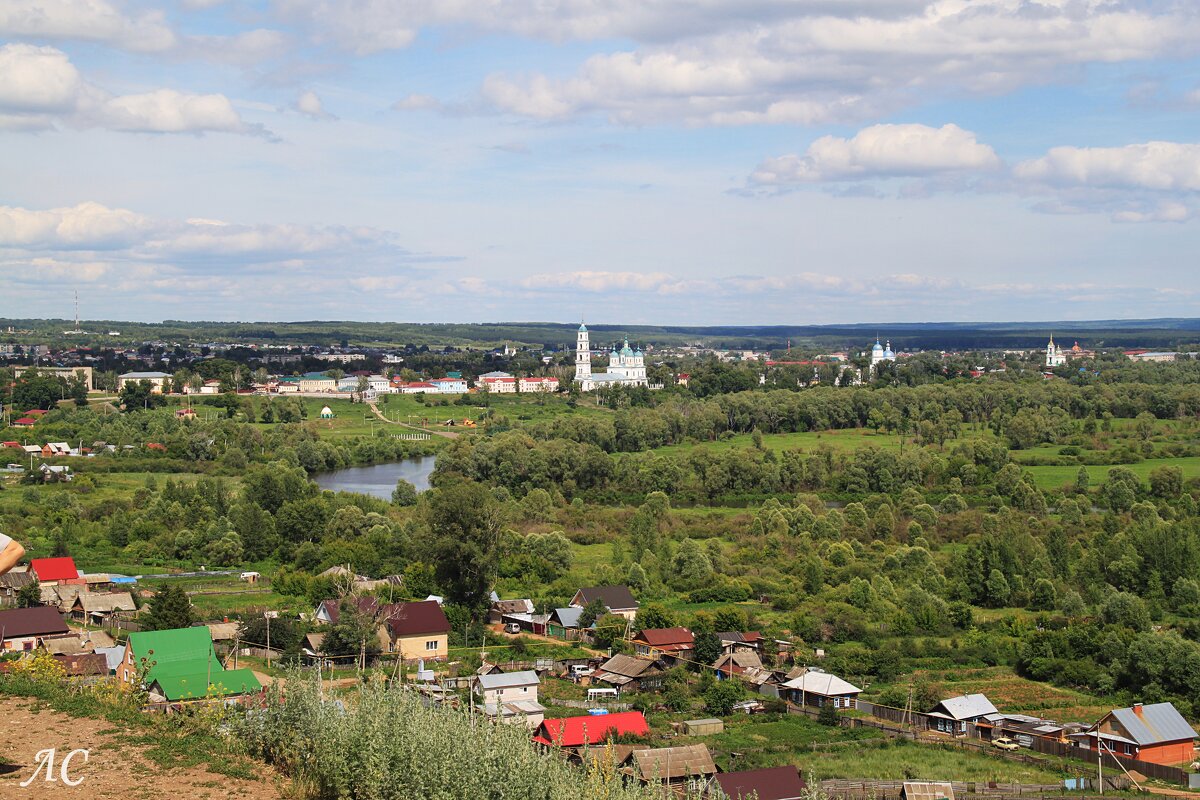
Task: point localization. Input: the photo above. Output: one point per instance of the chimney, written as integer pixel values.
(1137, 709)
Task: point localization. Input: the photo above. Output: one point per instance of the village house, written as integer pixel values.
(564, 623)
(11, 584)
(669, 643)
(628, 673)
(682, 768)
(816, 688)
(736, 663)
(60, 595)
(769, 783)
(418, 630)
(24, 629)
(502, 608)
(511, 697)
(588, 730)
(97, 608)
(1156, 733)
(954, 714)
(180, 664)
(56, 570)
(617, 599)
(736, 641)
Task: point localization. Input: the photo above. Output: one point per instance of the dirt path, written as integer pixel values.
(114, 770)
(499, 629)
(378, 413)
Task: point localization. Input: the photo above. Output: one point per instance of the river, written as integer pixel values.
(378, 480)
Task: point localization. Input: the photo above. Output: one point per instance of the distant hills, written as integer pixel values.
(1164, 332)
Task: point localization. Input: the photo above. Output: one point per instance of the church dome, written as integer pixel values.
(582, 328)
(877, 349)
(887, 352)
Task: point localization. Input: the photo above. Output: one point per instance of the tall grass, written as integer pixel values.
(384, 744)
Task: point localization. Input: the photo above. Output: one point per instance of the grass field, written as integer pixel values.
(1013, 694)
(772, 740)
(1056, 477)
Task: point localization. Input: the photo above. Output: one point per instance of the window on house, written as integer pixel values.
(431, 644)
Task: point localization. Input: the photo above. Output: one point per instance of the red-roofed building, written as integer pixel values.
(156, 446)
(13, 445)
(589, 730)
(24, 421)
(36, 412)
(56, 570)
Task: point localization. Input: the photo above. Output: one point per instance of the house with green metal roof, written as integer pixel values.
(181, 664)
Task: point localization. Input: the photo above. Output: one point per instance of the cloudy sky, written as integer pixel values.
(638, 161)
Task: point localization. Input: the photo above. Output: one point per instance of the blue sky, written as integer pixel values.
(704, 162)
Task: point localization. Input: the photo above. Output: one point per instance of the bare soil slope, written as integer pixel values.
(115, 769)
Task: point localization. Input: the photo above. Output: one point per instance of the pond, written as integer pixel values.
(378, 480)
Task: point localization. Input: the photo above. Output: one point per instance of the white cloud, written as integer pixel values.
(738, 63)
(310, 105)
(601, 281)
(76, 234)
(881, 151)
(40, 88)
(86, 20)
(1157, 166)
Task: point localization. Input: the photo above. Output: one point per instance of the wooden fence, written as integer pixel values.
(912, 724)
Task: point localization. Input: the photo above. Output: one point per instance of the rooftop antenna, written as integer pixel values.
(76, 311)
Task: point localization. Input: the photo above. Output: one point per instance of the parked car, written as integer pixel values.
(582, 670)
(512, 627)
(1005, 743)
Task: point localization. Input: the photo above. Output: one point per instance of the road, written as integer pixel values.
(378, 413)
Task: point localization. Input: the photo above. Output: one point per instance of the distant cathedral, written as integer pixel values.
(879, 354)
(626, 367)
(1055, 355)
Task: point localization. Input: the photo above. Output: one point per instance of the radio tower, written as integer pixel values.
(77, 311)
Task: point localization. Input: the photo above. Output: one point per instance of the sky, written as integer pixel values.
(712, 162)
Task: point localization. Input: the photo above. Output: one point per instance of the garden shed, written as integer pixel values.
(703, 727)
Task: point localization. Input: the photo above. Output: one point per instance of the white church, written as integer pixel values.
(879, 354)
(1055, 355)
(626, 367)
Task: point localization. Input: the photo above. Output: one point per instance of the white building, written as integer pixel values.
(626, 367)
(538, 384)
(450, 385)
(1055, 355)
(498, 382)
(511, 697)
(157, 380)
(879, 354)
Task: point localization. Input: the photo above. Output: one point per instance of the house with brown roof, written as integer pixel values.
(770, 783)
(617, 599)
(27, 628)
(628, 673)
(417, 630)
(688, 766)
(668, 643)
(97, 608)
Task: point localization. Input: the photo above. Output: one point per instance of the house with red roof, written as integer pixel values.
(25, 422)
(590, 730)
(56, 570)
